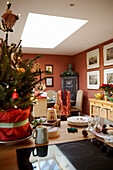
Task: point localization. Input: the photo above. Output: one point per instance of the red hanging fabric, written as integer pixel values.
(64, 97)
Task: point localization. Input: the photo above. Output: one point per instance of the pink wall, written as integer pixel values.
(81, 68)
(60, 64)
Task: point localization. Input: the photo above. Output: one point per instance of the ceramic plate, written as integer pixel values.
(12, 142)
(78, 120)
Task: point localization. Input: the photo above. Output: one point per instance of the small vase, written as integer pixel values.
(105, 97)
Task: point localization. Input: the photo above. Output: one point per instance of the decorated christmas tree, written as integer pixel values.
(17, 80)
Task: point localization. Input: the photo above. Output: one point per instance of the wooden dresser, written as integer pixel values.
(102, 108)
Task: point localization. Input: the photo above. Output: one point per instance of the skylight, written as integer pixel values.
(45, 31)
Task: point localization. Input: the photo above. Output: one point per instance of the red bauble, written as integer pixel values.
(15, 95)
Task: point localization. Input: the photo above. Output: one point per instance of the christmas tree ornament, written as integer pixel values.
(9, 19)
(12, 46)
(13, 58)
(32, 70)
(31, 98)
(20, 70)
(40, 87)
(33, 90)
(15, 95)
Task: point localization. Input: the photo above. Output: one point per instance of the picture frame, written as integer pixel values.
(108, 76)
(49, 69)
(49, 82)
(93, 59)
(108, 54)
(93, 79)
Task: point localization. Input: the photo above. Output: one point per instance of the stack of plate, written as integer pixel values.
(78, 120)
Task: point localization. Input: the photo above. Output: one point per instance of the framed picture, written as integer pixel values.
(93, 79)
(108, 54)
(49, 69)
(108, 76)
(92, 58)
(49, 81)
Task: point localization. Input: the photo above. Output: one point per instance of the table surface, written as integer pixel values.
(8, 157)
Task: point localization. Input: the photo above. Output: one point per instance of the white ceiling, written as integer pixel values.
(99, 28)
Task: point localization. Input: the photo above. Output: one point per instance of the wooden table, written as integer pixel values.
(8, 157)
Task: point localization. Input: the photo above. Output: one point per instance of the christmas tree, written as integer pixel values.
(17, 80)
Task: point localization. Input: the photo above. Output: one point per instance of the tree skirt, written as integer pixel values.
(14, 124)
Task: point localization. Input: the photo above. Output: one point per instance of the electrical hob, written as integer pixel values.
(89, 154)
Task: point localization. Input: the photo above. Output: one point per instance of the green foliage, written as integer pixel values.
(68, 73)
(15, 73)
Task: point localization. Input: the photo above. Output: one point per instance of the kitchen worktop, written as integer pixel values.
(8, 157)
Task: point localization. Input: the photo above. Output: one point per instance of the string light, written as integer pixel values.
(36, 100)
(7, 86)
(15, 106)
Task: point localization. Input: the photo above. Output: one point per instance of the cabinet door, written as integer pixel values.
(70, 83)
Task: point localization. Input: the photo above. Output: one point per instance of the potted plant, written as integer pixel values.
(108, 89)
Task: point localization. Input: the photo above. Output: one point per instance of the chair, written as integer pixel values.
(79, 101)
(40, 108)
(50, 94)
(56, 98)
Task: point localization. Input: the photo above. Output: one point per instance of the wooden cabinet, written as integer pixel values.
(110, 115)
(104, 113)
(102, 108)
(71, 84)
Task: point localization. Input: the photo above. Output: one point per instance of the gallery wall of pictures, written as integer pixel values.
(49, 81)
(93, 66)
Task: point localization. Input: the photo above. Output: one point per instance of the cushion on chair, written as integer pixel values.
(79, 101)
(50, 93)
